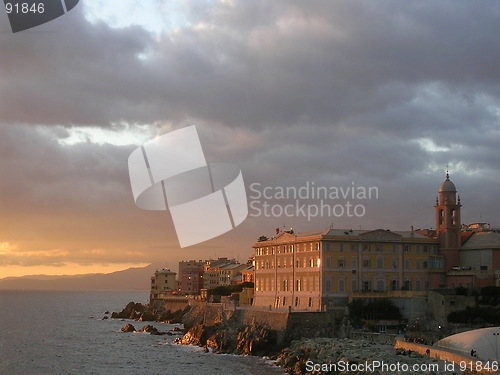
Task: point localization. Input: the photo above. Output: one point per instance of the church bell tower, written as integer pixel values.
(448, 224)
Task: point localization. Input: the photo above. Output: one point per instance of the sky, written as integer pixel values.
(338, 94)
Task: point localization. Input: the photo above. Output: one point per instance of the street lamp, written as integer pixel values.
(496, 334)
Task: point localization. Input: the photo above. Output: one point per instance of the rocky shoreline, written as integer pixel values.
(143, 313)
(301, 353)
(225, 333)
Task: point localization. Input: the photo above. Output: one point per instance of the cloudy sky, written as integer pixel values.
(379, 94)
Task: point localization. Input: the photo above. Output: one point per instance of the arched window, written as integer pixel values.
(380, 286)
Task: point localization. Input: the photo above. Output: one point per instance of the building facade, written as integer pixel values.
(163, 283)
(311, 271)
(191, 276)
(322, 269)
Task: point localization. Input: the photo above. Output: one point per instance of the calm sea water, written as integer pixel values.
(53, 333)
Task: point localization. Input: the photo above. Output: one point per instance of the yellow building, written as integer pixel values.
(311, 271)
(163, 283)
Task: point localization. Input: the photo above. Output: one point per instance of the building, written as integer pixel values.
(230, 274)
(471, 252)
(441, 302)
(163, 283)
(314, 270)
(211, 274)
(191, 276)
(326, 269)
(247, 275)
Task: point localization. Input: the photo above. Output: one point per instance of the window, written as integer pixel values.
(284, 301)
(394, 285)
(418, 286)
(297, 285)
(417, 264)
(426, 264)
(407, 248)
(341, 285)
(341, 262)
(407, 263)
(311, 262)
(379, 248)
(408, 284)
(328, 284)
(354, 285)
(452, 303)
(353, 247)
(380, 262)
(366, 263)
(484, 268)
(341, 246)
(394, 263)
(297, 263)
(354, 263)
(394, 248)
(296, 301)
(366, 285)
(417, 248)
(328, 263)
(426, 248)
(380, 286)
(366, 247)
(316, 246)
(310, 302)
(285, 286)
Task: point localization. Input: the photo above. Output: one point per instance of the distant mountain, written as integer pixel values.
(129, 279)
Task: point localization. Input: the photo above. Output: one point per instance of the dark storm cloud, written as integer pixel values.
(384, 94)
(263, 63)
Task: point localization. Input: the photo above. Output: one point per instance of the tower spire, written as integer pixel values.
(447, 173)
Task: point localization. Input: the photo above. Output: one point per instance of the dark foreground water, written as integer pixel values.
(57, 333)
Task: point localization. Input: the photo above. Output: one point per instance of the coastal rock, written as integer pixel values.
(128, 328)
(131, 311)
(152, 330)
(147, 316)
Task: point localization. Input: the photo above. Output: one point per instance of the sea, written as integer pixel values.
(62, 332)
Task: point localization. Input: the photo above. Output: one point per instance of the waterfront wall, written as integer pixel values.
(287, 325)
(438, 353)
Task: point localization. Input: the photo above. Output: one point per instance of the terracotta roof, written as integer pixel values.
(464, 236)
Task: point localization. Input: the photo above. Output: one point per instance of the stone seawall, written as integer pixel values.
(439, 354)
(251, 331)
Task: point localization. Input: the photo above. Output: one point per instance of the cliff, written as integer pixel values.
(250, 331)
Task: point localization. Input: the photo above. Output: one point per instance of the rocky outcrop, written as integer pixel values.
(143, 313)
(128, 328)
(228, 337)
(131, 311)
(326, 351)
